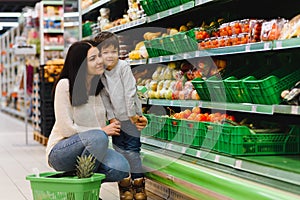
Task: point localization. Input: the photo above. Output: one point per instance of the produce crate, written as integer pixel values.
(235, 87)
(159, 126)
(150, 50)
(147, 131)
(193, 132)
(239, 140)
(184, 42)
(68, 188)
(201, 88)
(174, 132)
(268, 89)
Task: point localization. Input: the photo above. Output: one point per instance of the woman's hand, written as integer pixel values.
(112, 129)
(141, 123)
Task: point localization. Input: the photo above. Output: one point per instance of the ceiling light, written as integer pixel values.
(9, 24)
(10, 14)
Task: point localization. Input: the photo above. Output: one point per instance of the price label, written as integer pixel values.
(198, 154)
(171, 103)
(160, 59)
(198, 2)
(181, 8)
(170, 12)
(171, 57)
(200, 104)
(294, 110)
(183, 150)
(158, 15)
(266, 45)
(279, 44)
(169, 146)
(150, 101)
(247, 47)
(253, 108)
(217, 158)
(238, 164)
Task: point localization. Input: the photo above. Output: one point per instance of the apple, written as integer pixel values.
(196, 110)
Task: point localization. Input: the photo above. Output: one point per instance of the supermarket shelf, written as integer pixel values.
(128, 25)
(203, 183)
(237, 49)
(14, 112)
(172, 11)
(52, 30)
(138, 62)
(201, 2)
(53, 2)
(94, 6)
(54, 48)
(241, 107)
(239, 163)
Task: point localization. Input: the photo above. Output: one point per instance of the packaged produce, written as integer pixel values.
(255, 29)
(271, 29)
(291, 29)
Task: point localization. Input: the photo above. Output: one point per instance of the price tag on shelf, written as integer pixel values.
(183, 149)
(217, 158)
(169, 146)
(158, 15)
(161, 58)
(181, 8)
(238, 164)
(170, 12)
(278, 44)
(171, 103)
(266, 46)
(247, 47)
(294, 110)
(171, 57)
(198, 154)
(253, 108)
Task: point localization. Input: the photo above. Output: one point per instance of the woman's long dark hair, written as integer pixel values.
(75, 70)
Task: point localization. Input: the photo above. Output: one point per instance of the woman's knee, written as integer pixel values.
(94, 137)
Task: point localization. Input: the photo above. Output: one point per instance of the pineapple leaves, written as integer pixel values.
(85, 166)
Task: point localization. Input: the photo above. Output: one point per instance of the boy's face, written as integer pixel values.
(110, 56)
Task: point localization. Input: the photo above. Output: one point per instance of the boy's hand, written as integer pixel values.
(134, 119)
(141, 123)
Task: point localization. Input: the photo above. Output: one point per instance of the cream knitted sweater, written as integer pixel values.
(70, 120)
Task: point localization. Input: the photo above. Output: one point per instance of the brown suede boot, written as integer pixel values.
(139, 191)
(125, 189)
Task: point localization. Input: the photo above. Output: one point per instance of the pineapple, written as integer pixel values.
(85, 166)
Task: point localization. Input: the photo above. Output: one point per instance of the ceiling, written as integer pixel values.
(13, 6)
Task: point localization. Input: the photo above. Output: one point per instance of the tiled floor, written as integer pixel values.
(18, 159)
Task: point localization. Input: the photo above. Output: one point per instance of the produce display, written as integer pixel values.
(52, 69)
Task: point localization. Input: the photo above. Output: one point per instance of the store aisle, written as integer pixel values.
(18, 159)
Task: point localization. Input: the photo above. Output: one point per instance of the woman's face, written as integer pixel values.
(94, 62)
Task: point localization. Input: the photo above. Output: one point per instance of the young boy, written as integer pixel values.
(121, 86)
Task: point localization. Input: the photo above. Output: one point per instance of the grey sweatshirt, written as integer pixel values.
(121, 86)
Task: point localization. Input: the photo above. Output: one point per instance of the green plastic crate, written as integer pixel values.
(174, 132)
(201, 88)
(159, 126)
(268, 89)
(239, 140)
(184, 42)
(235, 87)
(66, 188)
(150, 50)
(147, 131)
(193, 132)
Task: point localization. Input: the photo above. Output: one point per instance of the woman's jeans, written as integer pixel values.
(129, 145)
(63, 156)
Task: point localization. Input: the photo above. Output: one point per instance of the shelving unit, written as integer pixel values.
(279, 172)
(51, 30)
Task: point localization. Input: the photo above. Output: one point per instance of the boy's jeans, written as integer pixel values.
(64, 154)
(129, 145)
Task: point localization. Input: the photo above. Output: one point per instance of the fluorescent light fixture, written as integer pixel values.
(71, 14)
(10, 14)
(9, 24)
(1, 28)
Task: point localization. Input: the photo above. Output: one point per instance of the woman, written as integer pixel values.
(80, 126)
